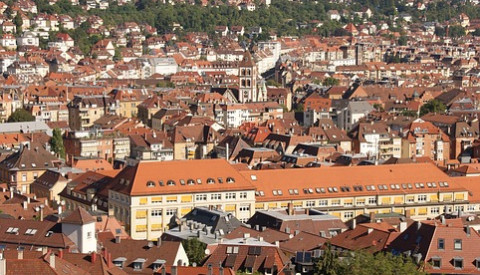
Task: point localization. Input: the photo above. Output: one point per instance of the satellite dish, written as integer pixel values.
(207, 251)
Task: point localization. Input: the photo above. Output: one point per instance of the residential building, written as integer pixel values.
(146, 196)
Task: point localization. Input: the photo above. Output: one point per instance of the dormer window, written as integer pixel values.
(138, 263)
(436, 262)
(150, 184)
(170, 183)
(158, 263)
(230, 180)
(119, 262)
(210, 181)
(458, 262)
(190, 182)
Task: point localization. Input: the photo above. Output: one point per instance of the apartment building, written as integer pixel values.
(84, 110)
(423, 139)
(419, 190)
(147, 196)
(376, 139)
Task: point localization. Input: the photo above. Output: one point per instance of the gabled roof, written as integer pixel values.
(79, 216)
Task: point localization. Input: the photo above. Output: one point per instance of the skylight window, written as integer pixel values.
(280, 192)
(330, 189)
(199, 181)
(290, 191)
(368, 188)
(262, 193)
(310, 190)
(322, 190)
(253, 177)
(295, 191)
(274, 192)
(335, 189)
(160, 182)
(410, 186)
(317, 190)
(182, 182)
(445, 184)
(220, 180)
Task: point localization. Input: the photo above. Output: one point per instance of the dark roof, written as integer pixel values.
(79, 216)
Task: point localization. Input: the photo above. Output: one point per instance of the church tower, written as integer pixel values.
(247, 71)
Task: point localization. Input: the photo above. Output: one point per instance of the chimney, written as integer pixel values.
(419, 225)
(44, 250)
(402, 226)
(260, 239)
(60, 209)
(354, 223)
(210, 270)
(117, 239)
(60, 253)
(173, 270)
(290, 209)
(442, 219)
(3, 264)
(372, 216)
(164, 270)
(467, 230)
(93, 257)
(408, 213)
(159, 242)
(220, 270)
(25, 205)
(20, 254)
(52, 260)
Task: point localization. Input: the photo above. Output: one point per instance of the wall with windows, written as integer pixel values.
(147, 217)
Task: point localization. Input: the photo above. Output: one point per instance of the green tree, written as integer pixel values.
(118, 54)
(330, 81)
(364, 263)
(456, 31)
(56, 143)
(18, 21)
(20, 115)
(432, 106)
(272, 82)
(195, 250)
(402, 41)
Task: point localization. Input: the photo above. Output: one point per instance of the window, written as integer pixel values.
(435, 210)
(471, 207)
(35, 175)
(372, 200)
(422, 198)
(348, 215)
(243, 195)
(244, 208)
(441, 244)
(436, 262)
(216, 196)
(171, 211)
(24, 177)
(457, 244)
(156, 212)
(230, 196)
(171, 199)
(336, 202)
(310, 204)
(201, 197)
(322, 202)
(458, 263)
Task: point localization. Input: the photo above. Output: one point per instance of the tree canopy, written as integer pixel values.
(432, 106)
(195, 250)
(20, 115)
(364, 263)
(56, 143)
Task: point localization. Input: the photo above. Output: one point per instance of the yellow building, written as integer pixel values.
(147, 196)
(419, 190)
(21, 168)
